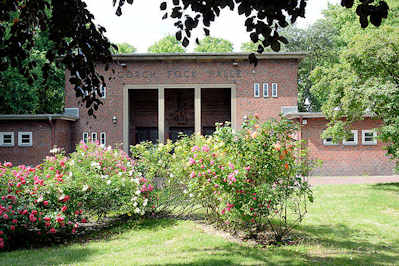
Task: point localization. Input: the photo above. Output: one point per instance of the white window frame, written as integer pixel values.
(103, 136)
(256, 90)
(265, 90)
(274, 90)
(85, 137)
(355, 139)
(365, 142)
(20, 143)
(329, 143)
(2, 144)
(94, 137)
(103, 91)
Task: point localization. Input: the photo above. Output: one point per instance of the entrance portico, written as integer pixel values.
(176, 98)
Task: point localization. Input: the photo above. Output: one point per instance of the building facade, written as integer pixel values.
(154, 97)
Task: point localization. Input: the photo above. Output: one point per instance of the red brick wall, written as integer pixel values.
(341, 160)
(281, 71)
(41, 140)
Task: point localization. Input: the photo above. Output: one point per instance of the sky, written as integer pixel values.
(141, 24)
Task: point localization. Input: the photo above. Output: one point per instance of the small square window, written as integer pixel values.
(256, 90)
(352, 140)
(329, 141)
(6, 139)
(274, 89)
(85, 137)
(25, 139)
(103, 138)
(369, 137)
(265, 90)
(94, 136)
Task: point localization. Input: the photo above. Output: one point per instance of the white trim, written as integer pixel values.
(2, 144)
(355, 139)
(24, 134)
(94, 136)
(256, 90)
(329, 143)
(103, 136)
(274, 90)
(265, 90)
(85, 137)
(365, 142)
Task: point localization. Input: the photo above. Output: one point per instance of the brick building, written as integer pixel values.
(154, 97)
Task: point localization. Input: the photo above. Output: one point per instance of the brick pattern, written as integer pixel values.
(281, 71)
(341, 160)
(41, 140)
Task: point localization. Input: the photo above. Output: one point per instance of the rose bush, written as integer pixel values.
(65, 191)
(252, 179)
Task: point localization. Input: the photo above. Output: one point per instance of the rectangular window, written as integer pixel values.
(94, 136)
(103, 138)
(265, 90)
(369, 137)
(6, 139)
(103, 91)
(274, 89)
(329, 141)
(256, 90)
(85, 137)
(25, 139)
(352, 140)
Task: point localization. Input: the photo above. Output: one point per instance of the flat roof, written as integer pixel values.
(39, 117)
(293, 115)
(208, 56)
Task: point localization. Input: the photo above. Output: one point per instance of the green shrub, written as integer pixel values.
(252, 179)
(66, 191)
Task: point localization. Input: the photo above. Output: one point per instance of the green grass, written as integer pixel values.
(347, 225)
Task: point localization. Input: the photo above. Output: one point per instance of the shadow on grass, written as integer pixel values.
(325, 245)
(393, 187)
(65, 250)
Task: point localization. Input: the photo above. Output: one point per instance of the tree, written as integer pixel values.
(17, 96)
(82, 44)
(123, 48)
(216, 45)
(168, 44)
(364, 80)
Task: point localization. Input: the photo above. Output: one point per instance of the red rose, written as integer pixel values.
(45, 203)
(64, 208)
(12, 228)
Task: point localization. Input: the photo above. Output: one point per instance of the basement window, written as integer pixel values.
(352, 140)
(25, 139)
(329, 141)
(256, 90)
(274, 90)
(103, 138)
(265, 90)
(6, 139)
(85, 137)
(369, 137)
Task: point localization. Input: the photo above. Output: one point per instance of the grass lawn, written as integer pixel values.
(347, 225)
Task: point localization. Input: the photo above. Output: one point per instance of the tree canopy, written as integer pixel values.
(168, 44)
(123, 48)
(212, 44)
(82, 44)
(363, 77)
